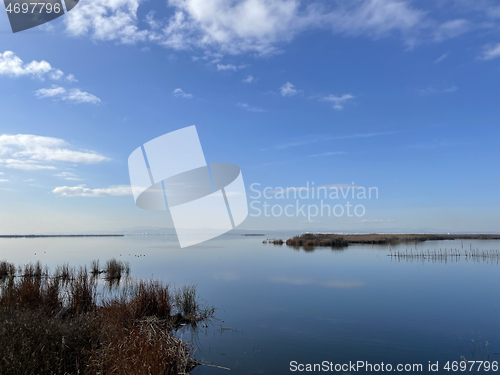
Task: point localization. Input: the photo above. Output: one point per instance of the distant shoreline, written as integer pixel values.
(59, 235)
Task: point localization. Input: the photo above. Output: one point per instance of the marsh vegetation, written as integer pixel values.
(447, 255)
(311, 240)
(72, 321)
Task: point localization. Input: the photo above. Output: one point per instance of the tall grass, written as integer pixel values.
(6, 270)
(66, 322)
(115, 269)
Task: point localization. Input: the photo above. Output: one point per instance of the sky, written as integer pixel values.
(398, 95)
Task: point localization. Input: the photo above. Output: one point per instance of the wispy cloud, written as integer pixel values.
(50, 92)
(491, 51)
(249, 79)
(180, 93)
(25, 165)
(288, 89)
(435, 144)
(33, 152)
(68, 176)
(74, 95)
(330, 153)
(78, 96)
(83, 191)
(313, 138)
(450, 89)
(338, 101)
(441, 58)
(4, 180)
(451, 29)
(250, 108)
(232, 67)
(71, 78)
(435, 90)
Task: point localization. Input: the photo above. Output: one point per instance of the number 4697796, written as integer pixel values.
(34, 8)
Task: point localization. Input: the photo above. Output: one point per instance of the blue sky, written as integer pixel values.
(398, 95)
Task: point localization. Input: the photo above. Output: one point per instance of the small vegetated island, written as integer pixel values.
(343, 240)
(96, 321)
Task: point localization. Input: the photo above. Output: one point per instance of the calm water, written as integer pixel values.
(278, 305)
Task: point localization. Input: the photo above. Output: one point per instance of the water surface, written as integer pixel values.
(276, 304)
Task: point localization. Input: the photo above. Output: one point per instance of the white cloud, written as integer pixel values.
(56, 74)
(107, 20)
(71, 78)
(32, 152)
(258, 26)
(12, 66)
(73, 95)
(491, 52)
(338, 101)
(4, 180)
(226, 67)
(25, 165)
(179, 93)
(78, 96)
(68, 176)
(288, 89)
(233, 27)
(221, 67)
(83, 191)
(50, 92)
(249, 79)
(250, 108)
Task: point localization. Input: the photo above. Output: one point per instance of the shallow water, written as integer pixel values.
(276, 304)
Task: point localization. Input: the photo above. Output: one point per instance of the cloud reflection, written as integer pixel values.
(338, 284)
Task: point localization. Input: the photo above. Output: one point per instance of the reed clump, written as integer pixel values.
(310, 240)
(447, 255)
(6, 270)
(115, 269)
(274, 241)
(66, 322)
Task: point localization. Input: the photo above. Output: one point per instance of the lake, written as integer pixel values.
(276, 304)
